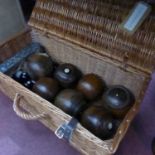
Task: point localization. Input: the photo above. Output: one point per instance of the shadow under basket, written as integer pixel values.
(114, 69)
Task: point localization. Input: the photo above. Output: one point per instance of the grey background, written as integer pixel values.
(11, 19)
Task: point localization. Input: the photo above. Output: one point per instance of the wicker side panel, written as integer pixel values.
(82, 139)
(14, 45)
(95, 24)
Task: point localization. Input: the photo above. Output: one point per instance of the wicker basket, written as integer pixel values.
(83, 33)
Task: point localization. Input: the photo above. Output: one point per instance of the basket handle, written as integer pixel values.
(23, 114)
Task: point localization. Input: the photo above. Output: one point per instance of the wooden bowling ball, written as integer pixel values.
(70, 101)
(118, 100)
(99, 122)
(68, 75)
(98, 104)
(46, 88)
(91, 86)
(39, 65)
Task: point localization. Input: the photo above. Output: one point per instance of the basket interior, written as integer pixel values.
(64, 51)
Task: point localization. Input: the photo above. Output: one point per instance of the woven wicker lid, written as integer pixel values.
(94, 24)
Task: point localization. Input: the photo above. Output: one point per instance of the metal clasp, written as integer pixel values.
(65, 131)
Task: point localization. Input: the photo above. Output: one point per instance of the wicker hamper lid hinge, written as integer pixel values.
(65, 131)
(125, 59)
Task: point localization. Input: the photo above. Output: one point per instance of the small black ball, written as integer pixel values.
(29, 84)
(21, 76)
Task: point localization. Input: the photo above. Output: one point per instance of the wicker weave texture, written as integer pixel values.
(95, 24)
